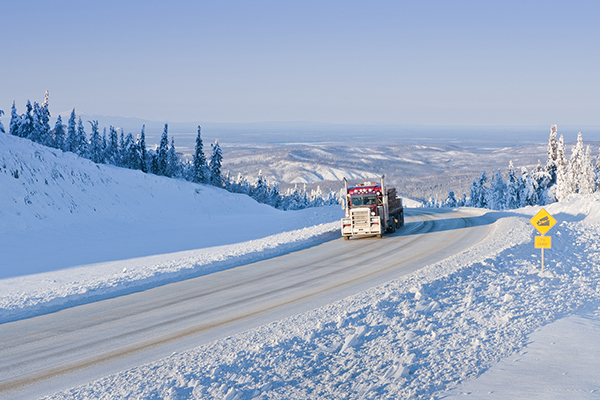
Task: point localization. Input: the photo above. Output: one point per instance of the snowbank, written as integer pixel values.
(418, 336)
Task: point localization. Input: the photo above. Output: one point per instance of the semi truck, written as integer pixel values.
(371, 209)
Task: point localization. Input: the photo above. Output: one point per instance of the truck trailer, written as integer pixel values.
(371, 209)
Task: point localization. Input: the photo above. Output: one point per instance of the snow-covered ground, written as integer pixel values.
(420, 336)
(430, 334)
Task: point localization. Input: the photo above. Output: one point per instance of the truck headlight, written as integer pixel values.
(373, 213)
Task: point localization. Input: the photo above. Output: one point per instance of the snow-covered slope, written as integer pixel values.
(419, 336)
(58, 210)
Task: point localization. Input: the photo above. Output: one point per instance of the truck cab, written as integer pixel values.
(371, 209)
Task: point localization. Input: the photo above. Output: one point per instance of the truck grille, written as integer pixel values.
(360, 218)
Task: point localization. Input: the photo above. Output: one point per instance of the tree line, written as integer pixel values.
(124, 151)
(555, 181)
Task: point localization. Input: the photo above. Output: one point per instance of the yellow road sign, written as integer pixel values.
(543, 242)
(542, 221)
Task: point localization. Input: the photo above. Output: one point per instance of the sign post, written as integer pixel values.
(543, 222)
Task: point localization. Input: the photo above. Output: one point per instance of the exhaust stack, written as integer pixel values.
(345, 202)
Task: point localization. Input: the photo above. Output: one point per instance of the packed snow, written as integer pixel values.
(431, 334)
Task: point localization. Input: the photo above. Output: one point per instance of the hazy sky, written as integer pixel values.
(418, 62)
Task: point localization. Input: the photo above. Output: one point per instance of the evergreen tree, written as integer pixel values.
(154, 166)
(477, 191)
(200, 170)
(215, 165)
(103, 145)
(2, 126)
(542, 179)
(45, 135)
(552, 157)
(561, 190)
(130, 153)
(450, 201)
(494, 195)
(260, 191)
(111, 152)
(82, 147)
(528, 189)
(122, 150)
(15, 121)
(58, 134)
(512, 198)
(26, 123)
(173, 165)
(588, 176)
(575, 167)
(143, 154)
(36, 134)
(96, 149)
(163, 150)
(275, 197)
(71, 140)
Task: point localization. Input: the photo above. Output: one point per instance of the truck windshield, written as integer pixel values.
(364, 201)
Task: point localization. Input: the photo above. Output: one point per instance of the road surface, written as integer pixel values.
(52, 352)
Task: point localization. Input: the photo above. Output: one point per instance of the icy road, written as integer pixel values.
(51, 352)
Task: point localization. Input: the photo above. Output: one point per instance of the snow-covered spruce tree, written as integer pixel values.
(513, 196)
(15, 121)
(2, 126)
(174, 169)
(239, 185)
(561, 190)
(199, 168)
(588, 176)
(111, 153)
(450, 201)
(543, 179)
(36, 133)
(58, 134)
(82, 148)
(143, 153)
(528, 189)
(552, 156)
(71, 139)
(216, 160)
(477, 191)
(122, 153)
(45, 132)
(575, 166)
(494, 195)
(130, 153)
(96, 147)
(260, 191)
(163, 150)
(26, 122)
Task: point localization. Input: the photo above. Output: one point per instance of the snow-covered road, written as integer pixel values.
(51, 352)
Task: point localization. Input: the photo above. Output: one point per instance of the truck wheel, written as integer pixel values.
(346, 237)
(401, 219)
(379, 236)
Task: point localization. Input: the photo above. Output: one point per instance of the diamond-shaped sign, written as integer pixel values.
(542, 221)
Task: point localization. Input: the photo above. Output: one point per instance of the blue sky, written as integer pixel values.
(419, 62)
